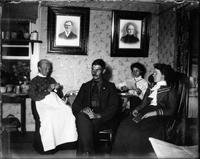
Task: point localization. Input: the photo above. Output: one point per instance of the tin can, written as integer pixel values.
(2, 35)
(34, 35)
(17, 89)
(7, 35)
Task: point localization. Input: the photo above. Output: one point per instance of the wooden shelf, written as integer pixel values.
(20, 41)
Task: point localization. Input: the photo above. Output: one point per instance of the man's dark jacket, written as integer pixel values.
(71, 35)
(109, 100)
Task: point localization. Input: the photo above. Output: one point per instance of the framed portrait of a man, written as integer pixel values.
(130, 34)
(68, 29)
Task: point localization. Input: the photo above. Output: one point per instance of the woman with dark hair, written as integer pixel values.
(140, 66)
(147, 119)
(136, 85)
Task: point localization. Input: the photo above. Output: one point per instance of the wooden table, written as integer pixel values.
(16, 98)
(129, 100)
(125, 100)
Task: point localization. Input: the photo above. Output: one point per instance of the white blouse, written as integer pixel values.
(134, 83)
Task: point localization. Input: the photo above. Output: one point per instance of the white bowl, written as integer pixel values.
(9, 88)
(3, 89)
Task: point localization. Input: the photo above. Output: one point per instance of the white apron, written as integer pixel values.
(57, 122)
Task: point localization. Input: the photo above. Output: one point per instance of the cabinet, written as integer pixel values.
(16, 51)
(194, 68)
(15, 36)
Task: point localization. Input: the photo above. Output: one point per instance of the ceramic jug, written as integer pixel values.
(34, 35)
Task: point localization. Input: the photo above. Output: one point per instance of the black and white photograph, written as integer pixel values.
(68, 29)
(130, 33)
(99, 79)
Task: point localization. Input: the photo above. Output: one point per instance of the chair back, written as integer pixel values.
(70, 96)
(35, 115)
(37, 142)
(176, 127)
(105, 136)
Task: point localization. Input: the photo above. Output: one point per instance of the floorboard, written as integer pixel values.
(20, 147)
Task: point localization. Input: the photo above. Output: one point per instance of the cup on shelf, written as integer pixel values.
(17, 89)
(13, 35)
(2, 35)
(26, 35)
(7, 35)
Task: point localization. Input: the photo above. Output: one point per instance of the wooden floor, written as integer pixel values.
(20, 147)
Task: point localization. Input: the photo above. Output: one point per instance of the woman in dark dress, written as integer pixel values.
(147, 119)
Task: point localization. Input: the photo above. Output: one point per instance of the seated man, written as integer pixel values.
(57, 123)
(95, 107)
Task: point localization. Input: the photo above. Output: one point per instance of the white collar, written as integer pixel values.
(158, 85)
(67, 33)
(137, 78)
(41, 75)
(154, 92)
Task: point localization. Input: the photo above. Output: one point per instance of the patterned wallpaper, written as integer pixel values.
(167, 32)
(72, 70)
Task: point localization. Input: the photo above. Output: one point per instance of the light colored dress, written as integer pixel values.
(57, 121)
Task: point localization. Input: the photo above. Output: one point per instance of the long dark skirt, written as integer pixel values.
(133, 137)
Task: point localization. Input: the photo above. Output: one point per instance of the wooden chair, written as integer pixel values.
(104, 136)
(37, 143)
(176, 127)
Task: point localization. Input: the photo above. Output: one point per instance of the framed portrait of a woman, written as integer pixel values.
(130, 34)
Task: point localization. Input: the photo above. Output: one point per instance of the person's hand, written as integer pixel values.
(50, 88)
(53, 86)
(57, 85)
(96, 116)
(124, 88)
(138, 91)
(134, 112)
(149, 114)
(88, 111)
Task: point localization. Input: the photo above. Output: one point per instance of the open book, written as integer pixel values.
(167, 150)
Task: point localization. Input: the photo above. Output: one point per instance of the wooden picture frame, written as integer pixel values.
(60, 20)
(127, 44)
